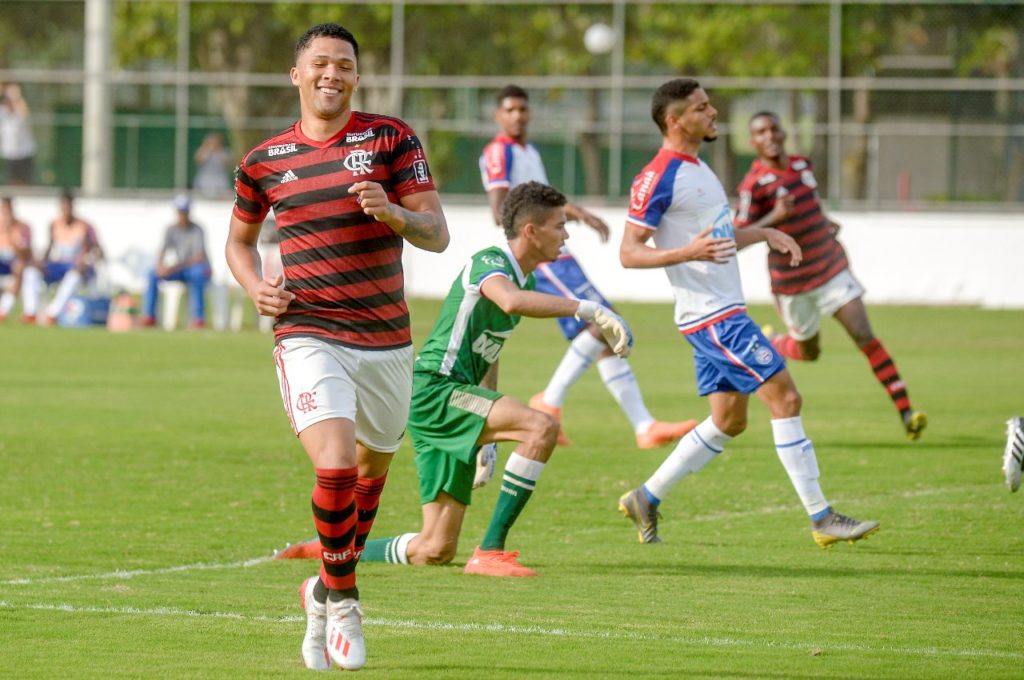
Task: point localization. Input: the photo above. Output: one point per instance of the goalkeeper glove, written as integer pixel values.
(486, 456)
(613, 327)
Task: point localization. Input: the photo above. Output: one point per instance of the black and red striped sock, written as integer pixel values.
(367, 499)
(334, 514)
(886, 373)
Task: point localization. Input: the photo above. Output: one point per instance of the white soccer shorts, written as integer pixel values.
(802, 312)
(320, 380)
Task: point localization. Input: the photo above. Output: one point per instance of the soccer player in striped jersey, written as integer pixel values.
(508, 160)
(780, 191)
(347, 189)
(455, 406)
(678, 201)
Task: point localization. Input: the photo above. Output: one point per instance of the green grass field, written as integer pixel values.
(148, 476)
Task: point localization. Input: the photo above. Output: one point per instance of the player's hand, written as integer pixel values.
(613, 327)
(710, 249)
(783, 207)
(486, 456)
(270, 297)
(373, 200)
(784, 243)
(598, 225)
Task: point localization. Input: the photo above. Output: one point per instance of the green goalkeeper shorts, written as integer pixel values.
(445, 420)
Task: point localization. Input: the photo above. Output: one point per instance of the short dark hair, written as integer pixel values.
(765, 114)
(528, 202)
(510, 91)
(664, 96)
(325, 31)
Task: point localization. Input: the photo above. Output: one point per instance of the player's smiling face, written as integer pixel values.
(768, 137)
(513, 116)
(326, 77)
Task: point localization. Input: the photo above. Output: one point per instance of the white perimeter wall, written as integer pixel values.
(920, 258)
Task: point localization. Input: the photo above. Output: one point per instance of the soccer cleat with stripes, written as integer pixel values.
(537, 402)
(659, 433)
(635, 506)
(345, 644)
(915, 422)
(306, 550)
(1013, 457)
(496, 563)
(314, 644)
(836, 527)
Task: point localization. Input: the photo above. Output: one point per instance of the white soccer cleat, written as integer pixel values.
(314, 644)
(1013, 458)
(345, 643)
(486, 456)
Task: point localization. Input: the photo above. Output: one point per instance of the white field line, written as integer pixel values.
(500, 629)
(124, 574)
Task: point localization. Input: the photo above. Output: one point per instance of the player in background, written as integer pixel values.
(780, 191)
(678, 200)
(15, 255)
(1013, 456)
(456, 408)
(347, 189)
(508, 160)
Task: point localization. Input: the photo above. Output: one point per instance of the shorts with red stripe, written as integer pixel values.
(733, 355)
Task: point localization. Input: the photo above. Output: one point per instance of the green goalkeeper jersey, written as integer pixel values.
(471, 330)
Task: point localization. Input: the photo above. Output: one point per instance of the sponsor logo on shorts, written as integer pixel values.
(763, 355)
(306, 402)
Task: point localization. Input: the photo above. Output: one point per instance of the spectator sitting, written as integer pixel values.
(182, 258)
(15, 254)
(70, 257)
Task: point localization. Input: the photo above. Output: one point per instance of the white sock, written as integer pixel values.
(523, 467)
(31, 288)
(692, 453)
(68, 286)
(395, 552)
(582, 352)
(797, 455)
(7, 300)
(619, 379)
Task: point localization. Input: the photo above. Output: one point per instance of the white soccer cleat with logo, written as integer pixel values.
(1013, 457)
(345, 643)
(314, 644)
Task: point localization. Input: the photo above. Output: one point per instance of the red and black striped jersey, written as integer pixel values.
(823, 256)
(344, 267)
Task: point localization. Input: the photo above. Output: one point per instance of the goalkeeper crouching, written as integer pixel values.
(457, 415)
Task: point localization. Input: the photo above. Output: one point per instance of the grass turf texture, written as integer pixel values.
(169, 454)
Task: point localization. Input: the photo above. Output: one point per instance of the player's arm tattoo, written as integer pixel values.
(424, 230)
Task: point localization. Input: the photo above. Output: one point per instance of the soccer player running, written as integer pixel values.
(347, 189)
(508, 160)
(679, 202)
(780, 191)
(455, 406)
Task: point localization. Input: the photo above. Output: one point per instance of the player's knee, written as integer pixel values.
(546, 431)
(732, 424)
(789, 404)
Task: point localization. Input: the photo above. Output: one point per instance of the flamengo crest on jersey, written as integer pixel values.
(344, 266)
(470, 329)
(506, 163)
(678, 196)
(823, 255)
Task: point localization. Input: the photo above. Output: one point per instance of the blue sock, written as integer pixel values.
(651, 498)
(821, 515)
